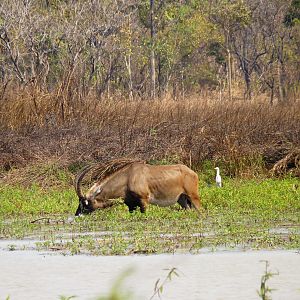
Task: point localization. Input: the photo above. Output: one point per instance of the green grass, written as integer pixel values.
(244, 214)
(18, 201)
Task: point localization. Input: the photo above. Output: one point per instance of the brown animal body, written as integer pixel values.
(140, 184)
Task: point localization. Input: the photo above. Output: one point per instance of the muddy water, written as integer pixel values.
(220, 275)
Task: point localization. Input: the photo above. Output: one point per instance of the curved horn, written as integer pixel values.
(78, 180)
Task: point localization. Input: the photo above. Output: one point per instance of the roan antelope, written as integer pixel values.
(139, 184)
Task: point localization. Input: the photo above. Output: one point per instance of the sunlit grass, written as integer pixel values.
(35, 201)
(242, 214)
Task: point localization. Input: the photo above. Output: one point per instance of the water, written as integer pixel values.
(219, 275)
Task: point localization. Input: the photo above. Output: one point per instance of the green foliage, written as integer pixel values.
(181, 30)
(215, 49)
(269, 195)
(230, 14)
(293, 15)
(34, 200)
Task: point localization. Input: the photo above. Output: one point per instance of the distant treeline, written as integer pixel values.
(150, 48)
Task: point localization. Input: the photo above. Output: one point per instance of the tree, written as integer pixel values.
(229, 16)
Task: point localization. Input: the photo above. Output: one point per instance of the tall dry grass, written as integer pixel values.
(244, 137)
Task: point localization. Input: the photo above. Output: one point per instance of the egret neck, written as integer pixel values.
(218, 177)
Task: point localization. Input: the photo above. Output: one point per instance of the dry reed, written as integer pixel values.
(243, 136)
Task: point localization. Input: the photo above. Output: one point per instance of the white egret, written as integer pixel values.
(218, 177)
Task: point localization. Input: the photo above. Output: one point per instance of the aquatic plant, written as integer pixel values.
(265, 291)
(159, 285)
(66, 297)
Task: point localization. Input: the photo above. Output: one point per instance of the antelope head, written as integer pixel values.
(84, 205)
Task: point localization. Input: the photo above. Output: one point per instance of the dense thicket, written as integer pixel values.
(242, 138)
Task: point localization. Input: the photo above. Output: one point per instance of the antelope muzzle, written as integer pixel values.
(83, 208)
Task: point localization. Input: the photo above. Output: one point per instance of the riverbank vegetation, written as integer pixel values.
(244, 214)
(244, 139)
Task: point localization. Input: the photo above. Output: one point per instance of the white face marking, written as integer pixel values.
(86, 202)
(98, 190)
(94, 191)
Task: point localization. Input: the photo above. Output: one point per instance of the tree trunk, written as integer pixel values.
(229, 66)
(152, 55)
(272, 96)
(130, 84)
(182, 82)
(281, 88)
(160, 79)
(248, 94)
